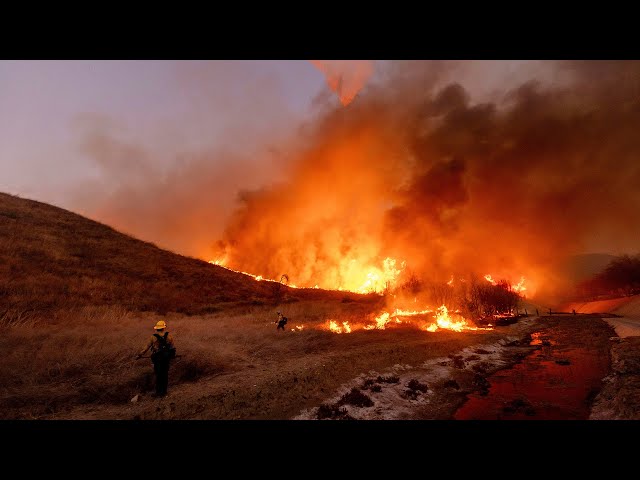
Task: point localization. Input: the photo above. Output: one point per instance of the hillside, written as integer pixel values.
(578, 268)
(624, 306)
(51, 258)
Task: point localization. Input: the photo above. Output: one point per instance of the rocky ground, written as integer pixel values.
(620, 396)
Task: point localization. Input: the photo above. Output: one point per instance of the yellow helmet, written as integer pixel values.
(160, 325)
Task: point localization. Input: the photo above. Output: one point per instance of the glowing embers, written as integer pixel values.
(519, 287)
(381, 321)
(384, 318)
(376, 279)
(444, 320)
(516, 287)
(353, 277)
(258, 278)
(335, 328)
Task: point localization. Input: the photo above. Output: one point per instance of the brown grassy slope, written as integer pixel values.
(53, 259)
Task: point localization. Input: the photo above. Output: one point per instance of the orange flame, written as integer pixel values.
(444, 321)
(519, 287)
(355, 278)
(381, 321)
(335, 328)
(409, 313)
(516, 287)
(345, 77)
(258, 278)
(379, 279)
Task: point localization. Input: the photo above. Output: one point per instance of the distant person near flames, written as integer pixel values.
(282, 321)
(162, 352)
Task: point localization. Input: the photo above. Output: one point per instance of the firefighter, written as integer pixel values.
(162, 351)
(282, 321)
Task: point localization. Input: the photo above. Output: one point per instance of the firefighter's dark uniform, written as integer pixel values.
(282, 321)
(160, 365)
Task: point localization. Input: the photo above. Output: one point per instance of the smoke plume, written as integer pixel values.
(414, 176)
(345, 77)
(415, 171)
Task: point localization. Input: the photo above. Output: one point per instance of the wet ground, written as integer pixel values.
(559, 380)
(549, 367)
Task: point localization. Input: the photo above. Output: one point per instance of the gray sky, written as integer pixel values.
(168, 106)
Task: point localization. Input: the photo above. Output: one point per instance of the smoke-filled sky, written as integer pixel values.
(439, 164)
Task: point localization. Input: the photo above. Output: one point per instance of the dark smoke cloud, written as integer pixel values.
(414, 170)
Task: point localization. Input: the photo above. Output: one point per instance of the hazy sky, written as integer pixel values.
(168, 106)
(43, 105)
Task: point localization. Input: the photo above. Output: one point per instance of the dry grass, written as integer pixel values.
(53, 259)
(234, 365)
(86, 356)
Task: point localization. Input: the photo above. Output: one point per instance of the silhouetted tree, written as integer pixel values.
(485, 299)
(412, 285)
(620, 277)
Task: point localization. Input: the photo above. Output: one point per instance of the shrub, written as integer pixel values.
(390, 379)
(356, 398)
